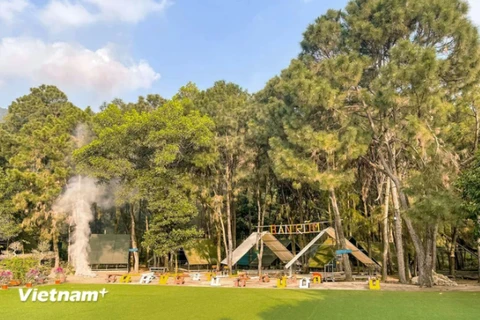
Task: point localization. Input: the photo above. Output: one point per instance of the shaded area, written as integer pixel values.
(109, 249)
(201, 252)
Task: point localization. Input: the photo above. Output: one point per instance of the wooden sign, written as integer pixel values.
(301, 228)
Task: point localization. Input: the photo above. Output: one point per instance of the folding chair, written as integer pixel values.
(147, 278)
(126, 278)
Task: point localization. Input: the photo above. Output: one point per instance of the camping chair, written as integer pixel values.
(126, 278)
(196, 277)
(180, 279)
(215, 282)
(163, 278)
(304, 283)
(147, 278)
(112, 278)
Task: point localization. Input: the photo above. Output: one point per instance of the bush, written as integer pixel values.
(32, 275)
(5, 277)
(67, 268)
(19, 266)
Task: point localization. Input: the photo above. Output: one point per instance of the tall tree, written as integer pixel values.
(318, 141)
(227, 105)
(418, 58)
(37, 146)
(151, 154)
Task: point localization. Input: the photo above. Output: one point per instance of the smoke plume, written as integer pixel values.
(76, 201)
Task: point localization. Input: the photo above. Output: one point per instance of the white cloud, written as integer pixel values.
(72, 67)
(10, 8)
(127, 10)
(58, 14)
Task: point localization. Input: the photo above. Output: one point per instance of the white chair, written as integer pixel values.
(147, 278)
(215, 282)
(304, 283)
(196, 277)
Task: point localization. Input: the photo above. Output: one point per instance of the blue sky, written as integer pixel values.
(95, 50)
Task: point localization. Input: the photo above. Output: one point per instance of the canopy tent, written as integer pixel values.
(269, 240)
(304, 250)
(357, 253)
(330, 232)
(268, 257)
(322, 254)
(201, 252)
(109, 249)
(376, 249)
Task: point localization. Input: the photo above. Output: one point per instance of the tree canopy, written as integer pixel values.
(373, 128)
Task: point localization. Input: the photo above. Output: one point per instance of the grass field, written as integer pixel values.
(156, 302)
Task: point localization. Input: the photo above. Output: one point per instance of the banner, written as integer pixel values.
(301, 228)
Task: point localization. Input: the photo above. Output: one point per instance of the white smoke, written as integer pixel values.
(82, 135)
(76, 201)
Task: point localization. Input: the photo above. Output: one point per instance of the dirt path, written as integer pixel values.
(463, 285)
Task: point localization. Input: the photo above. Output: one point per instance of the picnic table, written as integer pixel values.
(112, 277)
(241, 280)
(158, 269)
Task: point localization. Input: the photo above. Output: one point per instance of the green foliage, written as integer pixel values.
(36, 146)
(19, 266)
(149, 154)
(380, 89)
(8, 227)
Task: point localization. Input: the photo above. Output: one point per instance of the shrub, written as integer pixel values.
(59, 273)
(5, 277)
(32, 275)
(19, 267)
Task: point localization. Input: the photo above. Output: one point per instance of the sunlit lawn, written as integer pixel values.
(157, 302)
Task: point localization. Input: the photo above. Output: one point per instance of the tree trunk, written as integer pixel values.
(229, 220)
(219, 249)
(426, 269)
(259, 243)
(176, 261)
(133, 237)
(340, 235)
(478, 254)
(477, 129)
(261, 220)
(385, 232)
(55, 250)
(398, 235)
(224, 233)
(478, 250)
(434, 248)
(234, 220)
(425, 272)
(148, 248)
(451, 256)
(428, 263)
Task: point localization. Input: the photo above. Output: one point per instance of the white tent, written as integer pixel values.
(359, 255)
(269, 240)
(302, 252)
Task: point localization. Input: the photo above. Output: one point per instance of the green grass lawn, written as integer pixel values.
(157, 302)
